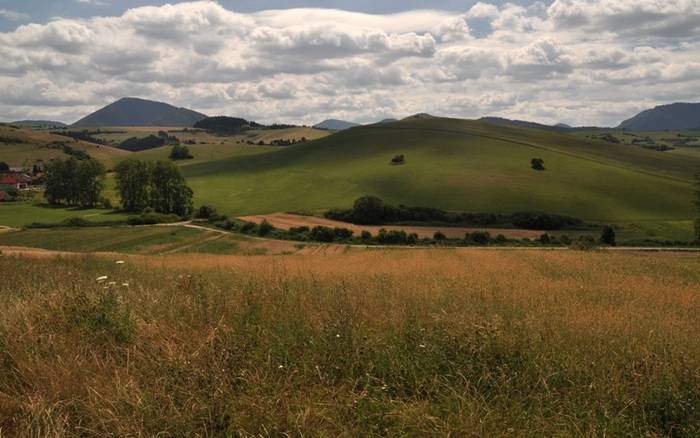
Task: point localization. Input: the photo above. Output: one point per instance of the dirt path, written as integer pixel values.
(286, 221)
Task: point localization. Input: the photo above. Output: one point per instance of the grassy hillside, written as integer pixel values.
(455, 165)
(24, 147)
(370, 343)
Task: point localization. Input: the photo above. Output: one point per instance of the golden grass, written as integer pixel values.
(441, 342)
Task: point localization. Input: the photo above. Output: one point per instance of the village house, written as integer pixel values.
(16, 180)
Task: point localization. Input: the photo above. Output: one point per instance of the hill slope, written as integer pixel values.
(676, 116)
(39, 124)
(335, 125)
(24, 147)
(454, 165)
(139, 112)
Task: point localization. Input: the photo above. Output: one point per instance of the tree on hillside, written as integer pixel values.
(169, 191)
(537, 163)
(368, 210)
(4, 167)
(133, 183)
(180, 152)
(607, 235)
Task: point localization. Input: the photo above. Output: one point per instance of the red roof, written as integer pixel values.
(14, 178)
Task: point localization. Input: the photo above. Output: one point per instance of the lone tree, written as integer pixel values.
(4, 167)
(180, 152)
(398, 159)
(537, 163)
(368, 210)
(607, 235)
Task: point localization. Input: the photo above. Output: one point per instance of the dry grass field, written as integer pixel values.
(365, 343)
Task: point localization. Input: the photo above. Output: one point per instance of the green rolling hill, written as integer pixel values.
(455, 165)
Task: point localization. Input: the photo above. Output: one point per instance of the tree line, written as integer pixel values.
(74, 182)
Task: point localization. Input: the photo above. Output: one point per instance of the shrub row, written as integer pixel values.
(370, 210)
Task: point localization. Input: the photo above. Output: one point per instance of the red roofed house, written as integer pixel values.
(18, 181)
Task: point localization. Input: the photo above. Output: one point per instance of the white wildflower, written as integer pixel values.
(112, 283)
(421, 345)
(125, 284)
(101, 279)
(281, 366)
(120, 262)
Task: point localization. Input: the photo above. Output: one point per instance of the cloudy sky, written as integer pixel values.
(582, 62)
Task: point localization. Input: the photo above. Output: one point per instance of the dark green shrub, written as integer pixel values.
(583, 243)
(248, 228)
(439, 236)
(607, 235)
(366, 236)
(265, 228)
(75, 222)
(322, 234)
(545, 239)
(500, 239)
(343, 233)
(478, 237)
(206, 212)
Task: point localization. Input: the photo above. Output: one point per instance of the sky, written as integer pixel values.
(580, 62)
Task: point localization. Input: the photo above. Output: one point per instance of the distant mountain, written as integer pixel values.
(562, 125)
(223, 124)
(335, 125)
(130, 111)
(388, 121)
(675, 116)
(39, 124)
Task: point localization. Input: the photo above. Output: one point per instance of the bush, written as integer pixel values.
(607, 235)
(206, 212)
(368, 210)
(299, 230)
(500, 239)
(537, 163)
(478, 237)
(398, 159)
(583, 243)
(180, 152)
(106, 203)
(439, 236)
(248, 227)
(545, 239)
(412, 239)
(322, 234)
(152, 219)
(75, 222)
(366, 236)
(343, 233)
(392, 236)
(265, 228)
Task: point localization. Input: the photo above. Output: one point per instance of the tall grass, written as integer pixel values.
(379, 343)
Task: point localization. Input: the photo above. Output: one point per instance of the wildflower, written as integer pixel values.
(125, 284)
(120, 262)
(421, 345)
(281, 366)
(101, 279)
(112, 283)
(337, 336)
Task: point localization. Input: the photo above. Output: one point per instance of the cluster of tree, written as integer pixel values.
(11, 140)
(370, 210)
(4, 167)
(159, 186)
(180, 152)
(225, 125)
(80, 135)
(74, 182)
(285, 142)
(136, 144)
(68, 150)
(537, 163)
(607, 137)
